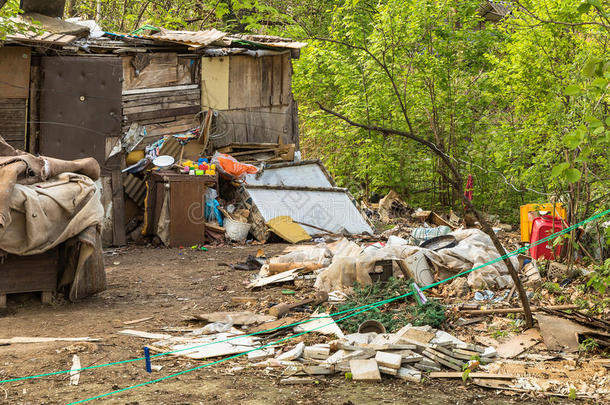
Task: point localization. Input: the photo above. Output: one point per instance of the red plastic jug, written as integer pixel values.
(541, 228)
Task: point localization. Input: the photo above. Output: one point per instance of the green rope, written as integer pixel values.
(364, 307)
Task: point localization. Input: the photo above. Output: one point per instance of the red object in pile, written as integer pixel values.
(541, 228)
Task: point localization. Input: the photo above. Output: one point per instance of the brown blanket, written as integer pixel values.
(20, 167)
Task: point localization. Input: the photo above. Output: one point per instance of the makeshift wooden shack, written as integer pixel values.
(90, 93)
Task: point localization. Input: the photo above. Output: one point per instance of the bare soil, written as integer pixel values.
(169, 285)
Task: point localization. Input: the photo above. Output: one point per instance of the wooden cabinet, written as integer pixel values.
(183, 217)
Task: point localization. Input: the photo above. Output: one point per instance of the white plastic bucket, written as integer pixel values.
(235, 230)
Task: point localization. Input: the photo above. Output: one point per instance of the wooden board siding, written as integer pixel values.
(162, 113)
(259, 82)
(215, 83)
(13, 113)
(162, 70)
(14, 72)
(256, 125)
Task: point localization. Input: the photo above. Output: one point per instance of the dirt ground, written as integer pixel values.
(169, 285)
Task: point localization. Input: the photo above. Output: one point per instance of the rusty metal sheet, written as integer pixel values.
(80, 107)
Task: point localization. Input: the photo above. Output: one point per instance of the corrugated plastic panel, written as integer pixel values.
(135, 188)
(329, 210)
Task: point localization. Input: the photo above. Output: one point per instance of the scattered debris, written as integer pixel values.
(74, 374)
(16, 340)
(148, 318)
(519, 344)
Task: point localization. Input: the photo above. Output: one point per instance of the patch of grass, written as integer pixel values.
(588, 345)
(552, 287)
(432, 313)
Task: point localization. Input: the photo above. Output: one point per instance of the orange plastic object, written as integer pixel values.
(230, 165)
(529, 212)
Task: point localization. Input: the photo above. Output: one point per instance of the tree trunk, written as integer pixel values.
(456, 182)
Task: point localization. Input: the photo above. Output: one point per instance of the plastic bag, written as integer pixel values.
(227, 164)
(212, 213)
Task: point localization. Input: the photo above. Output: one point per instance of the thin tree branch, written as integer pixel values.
(542, 20)
(387, 71)
(458, 185)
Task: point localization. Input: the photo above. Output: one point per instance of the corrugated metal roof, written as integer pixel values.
(304, 174)
(195, 39)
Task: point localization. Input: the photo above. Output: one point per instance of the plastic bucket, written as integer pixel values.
(235, 230)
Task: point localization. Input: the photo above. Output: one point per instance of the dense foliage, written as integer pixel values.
(521, 104)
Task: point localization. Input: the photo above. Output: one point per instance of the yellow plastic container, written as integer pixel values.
(134, 157)
(526, 219)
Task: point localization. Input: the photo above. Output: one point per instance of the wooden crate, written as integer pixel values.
(36, 273)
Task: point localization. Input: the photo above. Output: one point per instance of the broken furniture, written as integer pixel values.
(175, 207)
(49, 225)
(24, 274)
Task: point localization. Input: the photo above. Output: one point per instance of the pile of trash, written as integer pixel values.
(339, 264)
(404, 354)
(365, 356)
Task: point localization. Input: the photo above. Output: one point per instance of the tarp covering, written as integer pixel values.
(42, 218)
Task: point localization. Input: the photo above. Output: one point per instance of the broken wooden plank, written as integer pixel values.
(244, 300)
(386, 359)
(388, 370)
(289, 275)
(144, 335)
(236, 318)
(513, 310)
(445, 360)
(409, 374)
(365, 370)
(317, 352)
(261, 354)
(450, 374)
(293, 354)
(311, 369)
(148, 318)
(297, 380)
(20, 339)
(321, 323)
